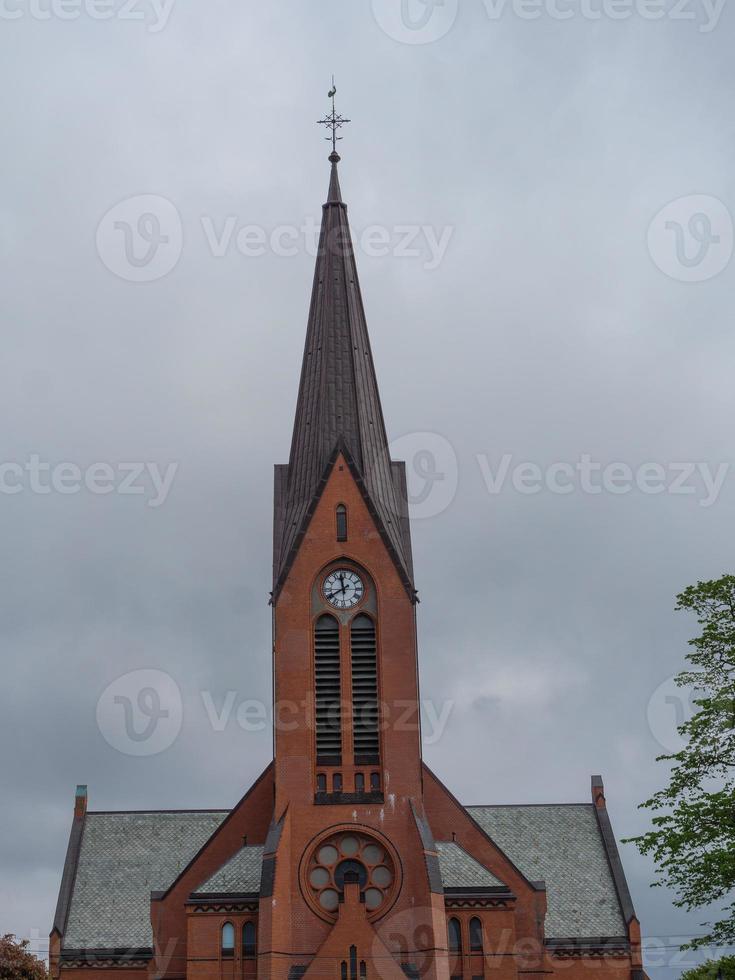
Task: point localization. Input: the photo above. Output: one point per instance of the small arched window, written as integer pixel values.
(475, 935)
(228, 939)
(455, 936)
(341, 514)
(249, 940)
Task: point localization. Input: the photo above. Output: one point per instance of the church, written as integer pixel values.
(348, 858)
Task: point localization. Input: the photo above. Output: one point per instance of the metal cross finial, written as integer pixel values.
(333, 120)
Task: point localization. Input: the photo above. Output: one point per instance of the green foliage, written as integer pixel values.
(693, 835)
(16, 963)
(712, 969)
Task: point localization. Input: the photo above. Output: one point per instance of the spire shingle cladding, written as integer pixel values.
(338, 405)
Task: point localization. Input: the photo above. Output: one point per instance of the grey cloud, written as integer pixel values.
(546, 331)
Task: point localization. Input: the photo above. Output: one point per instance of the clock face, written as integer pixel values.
(343, 588)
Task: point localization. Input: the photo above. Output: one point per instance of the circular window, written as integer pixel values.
(382, 876)
(329, 899)
(373, 898)
(328, 855)
(345, 856)
(319, 877)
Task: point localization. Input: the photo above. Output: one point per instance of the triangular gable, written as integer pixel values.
(308, 514)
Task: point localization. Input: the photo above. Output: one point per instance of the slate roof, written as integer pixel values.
(122, 859)
(338, 405)
(241, 874)
(563, 845)
(460, 870)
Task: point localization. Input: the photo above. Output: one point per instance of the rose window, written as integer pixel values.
(348, 852)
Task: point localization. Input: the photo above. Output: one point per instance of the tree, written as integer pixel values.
(712, 970)
(16, 963)
(693, 835)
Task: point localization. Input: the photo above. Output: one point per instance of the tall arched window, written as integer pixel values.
(475, 935)
(364, 691)
(228, 939)
(249, 940)
(341, 514)
(327, 692)
(455, 936)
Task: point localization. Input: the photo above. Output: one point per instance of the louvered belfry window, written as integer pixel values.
(364, 691)
(327, 692)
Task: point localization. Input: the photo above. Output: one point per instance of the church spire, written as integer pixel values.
(338, 407)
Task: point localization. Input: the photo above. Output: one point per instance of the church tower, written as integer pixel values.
(348, 779)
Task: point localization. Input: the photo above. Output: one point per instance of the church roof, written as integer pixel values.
(460, 870)
(123, 857)
(562, 844)
(240, 875)
(338, 405)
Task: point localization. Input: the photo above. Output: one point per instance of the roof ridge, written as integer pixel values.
(498, 806)
(108, 813)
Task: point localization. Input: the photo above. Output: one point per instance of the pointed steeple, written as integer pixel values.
(338, 407)
(334, 195)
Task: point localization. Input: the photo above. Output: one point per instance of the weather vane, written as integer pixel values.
(333, 121)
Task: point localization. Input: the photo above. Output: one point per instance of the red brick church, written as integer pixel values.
(347, 858)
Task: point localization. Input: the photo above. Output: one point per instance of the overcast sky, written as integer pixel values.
(529, 300)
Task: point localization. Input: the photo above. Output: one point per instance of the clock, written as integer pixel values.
(343, 588)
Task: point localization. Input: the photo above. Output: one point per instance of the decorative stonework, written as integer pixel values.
(205, 907)
(346, 851)
(104, 964)
(586, 952)
(476, 902)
